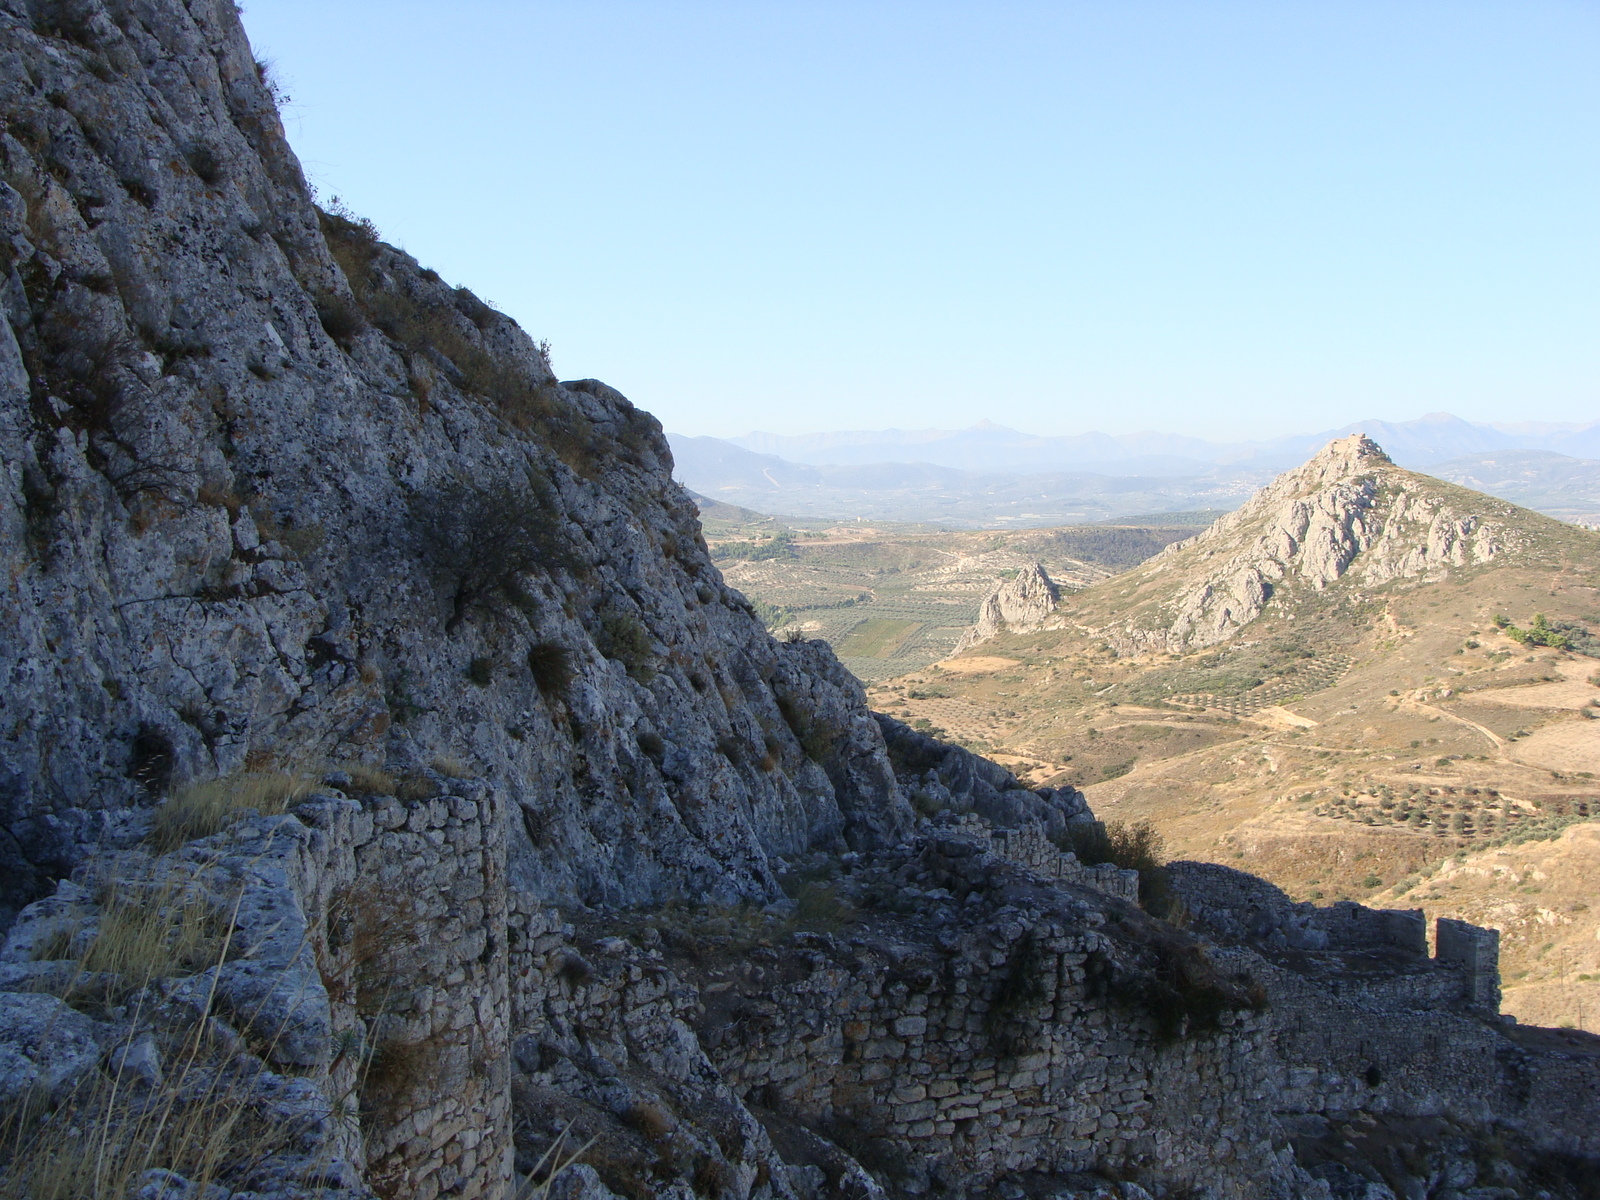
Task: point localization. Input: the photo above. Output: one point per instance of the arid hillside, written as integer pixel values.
(893, 598)
(1365, 684)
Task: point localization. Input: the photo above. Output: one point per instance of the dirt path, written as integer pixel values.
(1495, 739)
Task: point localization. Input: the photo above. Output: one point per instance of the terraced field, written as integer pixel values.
(1309, 678)
(895, 598)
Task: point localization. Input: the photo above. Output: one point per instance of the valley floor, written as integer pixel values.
(1432, 763)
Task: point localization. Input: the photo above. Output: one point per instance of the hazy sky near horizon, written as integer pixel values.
(1227, 219)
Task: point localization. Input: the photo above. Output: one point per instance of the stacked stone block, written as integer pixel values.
(404, 907)
(1027, 846)
(1477, 951)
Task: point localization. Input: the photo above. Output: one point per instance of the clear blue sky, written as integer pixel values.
(1225, 219)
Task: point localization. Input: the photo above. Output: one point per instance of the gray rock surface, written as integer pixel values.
(46, 1048)
(1020, 604)
(231, 535)
(1348, 511)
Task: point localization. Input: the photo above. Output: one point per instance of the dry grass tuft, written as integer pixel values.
(100, 1143)
(102, 1140)
(203, 809)
(452, 767)
(535, 1185)
(147, 932)
(651, 1121)
(371, 781)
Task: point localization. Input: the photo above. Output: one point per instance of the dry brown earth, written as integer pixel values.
(1436, 763)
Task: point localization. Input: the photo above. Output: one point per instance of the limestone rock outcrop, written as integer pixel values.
(1020, 604)
(1347, 517)
(276, 493)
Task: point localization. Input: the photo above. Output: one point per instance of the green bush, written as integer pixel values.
(552, 667)
(1133, 847)
(340, 318)
(622, 636)
(478, 539)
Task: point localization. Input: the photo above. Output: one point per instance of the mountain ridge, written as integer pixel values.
(1015, 492)
(1425, 441)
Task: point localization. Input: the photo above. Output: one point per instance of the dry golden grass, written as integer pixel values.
(203, 809)
(100, 1143)
(371, 781)
(145, 928)
(147, 933)
(452, 767)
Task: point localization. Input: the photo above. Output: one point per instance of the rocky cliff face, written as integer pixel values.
(394, 794)
(277, 495)
(1347, 517)
(1019, 604)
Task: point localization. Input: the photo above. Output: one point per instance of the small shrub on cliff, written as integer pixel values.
(815, 737)
(713, 1178)
(651, 1121)
(622, 636)
(552, 667)
(1182, 989)
(340, 318)
(203, 809)
(820, 909)
(478, 539)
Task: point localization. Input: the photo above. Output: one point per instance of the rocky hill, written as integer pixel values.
(1349, 516)
(397, 801)
(1381, 720)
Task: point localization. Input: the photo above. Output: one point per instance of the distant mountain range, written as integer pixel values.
(991, 476)
(1425, 442)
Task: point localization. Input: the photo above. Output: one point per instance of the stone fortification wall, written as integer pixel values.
(1351, 1045)
(1242, 908)
(1029, 847)
(1477, 950)
(367, 969)
(937, 1060)
(1353, 928)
